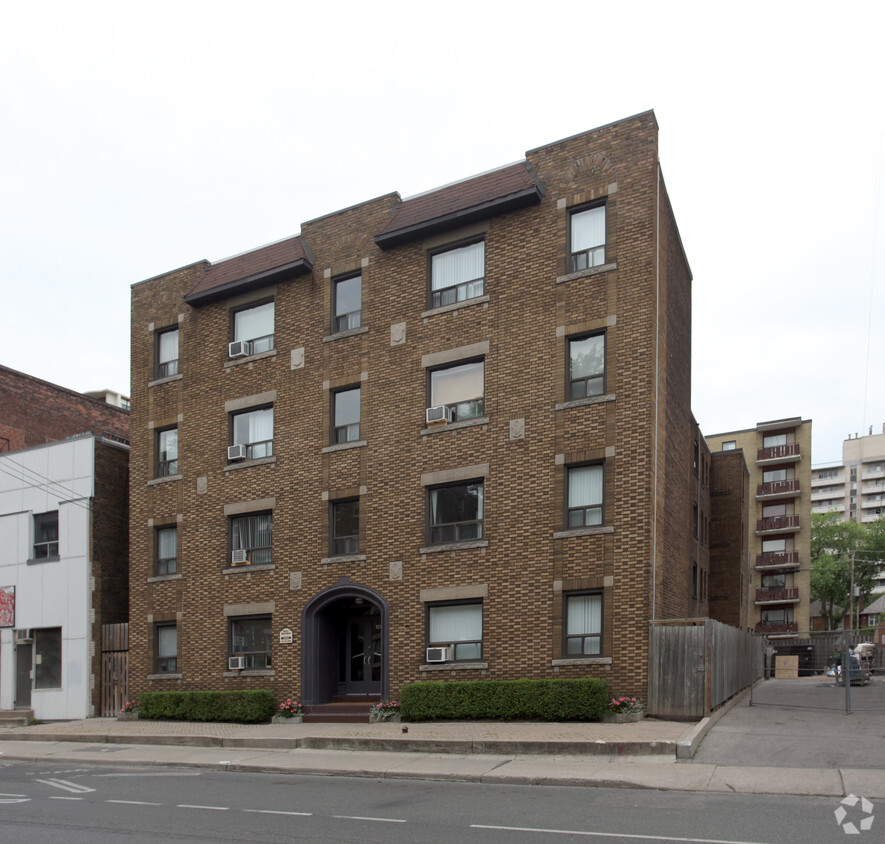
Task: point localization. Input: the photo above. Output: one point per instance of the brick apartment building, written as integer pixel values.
(434, 438)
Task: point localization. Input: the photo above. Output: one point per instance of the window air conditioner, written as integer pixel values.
(236, 452)
(438, 413)
(239, 349)
(24, 636)
(437, 654)
(239, 557)
(236, 663)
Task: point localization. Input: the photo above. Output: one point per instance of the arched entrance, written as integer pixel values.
(345, 644)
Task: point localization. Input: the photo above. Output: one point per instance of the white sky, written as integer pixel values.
(136, 138)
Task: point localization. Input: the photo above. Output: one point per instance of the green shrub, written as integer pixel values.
(246, 707)
(506, 700)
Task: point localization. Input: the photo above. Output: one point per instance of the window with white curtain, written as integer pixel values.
(460, 388)
(255, 324)
(457, 627)
(253, 429)
(167, 352)
(167, 550)
(587, 238)
(254, 535)
(585, 496)
(166, 648)
(583, 625)
(457, 274)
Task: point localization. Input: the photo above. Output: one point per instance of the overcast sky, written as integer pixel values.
(136, 138)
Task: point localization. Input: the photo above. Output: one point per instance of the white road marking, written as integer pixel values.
(212, 808)
(171, 774)
(14, 798)
(66, 798)
(275, 812)
(76, 788)
(613, 835)
(358, 818)
(133, 802)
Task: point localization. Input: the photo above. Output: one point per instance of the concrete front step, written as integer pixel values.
(344, 709)
(16, 717)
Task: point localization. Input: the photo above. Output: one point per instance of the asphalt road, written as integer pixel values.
(84, 805)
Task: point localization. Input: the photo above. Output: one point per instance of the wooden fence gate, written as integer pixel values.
(114, 668)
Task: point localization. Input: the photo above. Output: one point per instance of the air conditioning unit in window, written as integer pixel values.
(24, 636)
(236, 663)
(437, 654)
(438, 413)
(236, 452)
(239, 349)
(239, 557)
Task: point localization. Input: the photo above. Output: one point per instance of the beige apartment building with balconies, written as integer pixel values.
(778, 456)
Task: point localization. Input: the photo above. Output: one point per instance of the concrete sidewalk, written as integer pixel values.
(641, 755)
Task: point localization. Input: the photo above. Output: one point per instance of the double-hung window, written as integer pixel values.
(583, 625)
(253, 431)
(585, 496)
(587, 238)
(586, 366)
(457, 274)
(347, 296)
(457, 628)
(345, 518)
(251, 539)
(167, 352)
(166, 648)
(167, 452)
(456, 512)
(167, 550)
(250, 638)
(346, 415)
(460, 388)
(46, 535)
(252, 329)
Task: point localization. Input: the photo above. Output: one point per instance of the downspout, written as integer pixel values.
(654, 541)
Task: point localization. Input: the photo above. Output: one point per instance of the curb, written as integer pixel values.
(688, 743)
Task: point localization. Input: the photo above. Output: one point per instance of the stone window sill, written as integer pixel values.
(455, 666)
(167, 380)
(160, 578)
(603, 268)
(251, 672)
(583, 660)
(341, 335)
(330, 449)
(455, 426)
(454, 546)
(166, 480)
(247, 567)
(344, 558)
(467, 303)
(52, 559)
(248, 464)
(171, 676)
(585, 531)
(586, 401)
(251, 359)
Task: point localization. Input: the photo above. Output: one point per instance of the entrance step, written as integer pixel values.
(344, 709)
(16, 717)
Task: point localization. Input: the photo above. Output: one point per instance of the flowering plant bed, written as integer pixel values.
(290, 709)
(129, 706)
(128, 712)
(387, 710)
(623, 705)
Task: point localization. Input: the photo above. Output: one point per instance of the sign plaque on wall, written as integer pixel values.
(286, 636)
(7, 606)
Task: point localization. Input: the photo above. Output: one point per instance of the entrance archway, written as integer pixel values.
(344, 644)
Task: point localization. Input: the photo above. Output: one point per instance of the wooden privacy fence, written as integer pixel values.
(696, 664)
(114, 667)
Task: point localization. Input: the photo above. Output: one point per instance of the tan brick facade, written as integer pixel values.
(529, 432)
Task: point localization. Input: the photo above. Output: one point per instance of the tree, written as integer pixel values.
(834, 545)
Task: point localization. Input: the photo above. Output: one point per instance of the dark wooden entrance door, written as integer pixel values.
(359, 665)
(23, 662)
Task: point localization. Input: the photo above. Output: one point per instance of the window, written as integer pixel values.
(167, 550)
(457, 627)
(46, 535)
(253, 429)
(457, 274)
(456, 512)
(774, 546)
(774, 440)
(774, 581)
(586, 366)
(587, 233)
(694, 580)
(250, 638)
(166, 643)
(47, 658)
(771, 476)
(251, 539)
(585, 496)
(346, 527)
(346, 415)
(347, 298)
(772, 511)
(729, 445)
(460, 388)
(583, 625)
(167, 452)
(254, 326)
(777, 616)
(167, 353)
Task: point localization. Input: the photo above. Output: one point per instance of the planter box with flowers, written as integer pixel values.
(387, 710)
(623, 710)
(290, 712)
(128, 712)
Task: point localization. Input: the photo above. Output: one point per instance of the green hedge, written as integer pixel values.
(246, 707)
(506, 700)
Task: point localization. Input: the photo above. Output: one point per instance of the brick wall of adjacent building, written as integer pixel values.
(641, 298)
(33, 412)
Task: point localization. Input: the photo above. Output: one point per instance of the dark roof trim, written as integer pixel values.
(461, 217)
(253, 282)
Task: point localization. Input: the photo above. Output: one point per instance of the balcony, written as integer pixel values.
(778, 489)
(777, 524)
(777, 596)
(788, 453)
(779, 560)
(780, 629)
